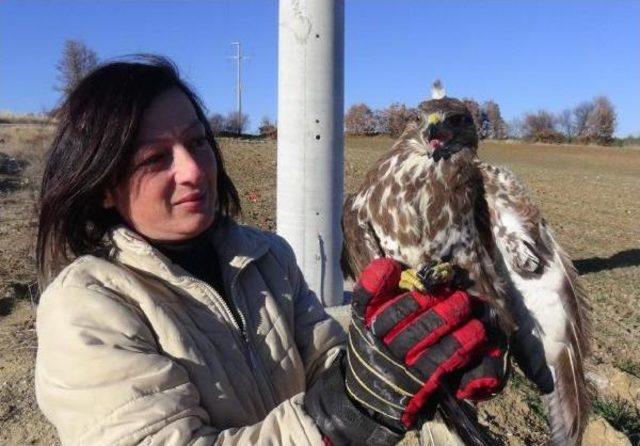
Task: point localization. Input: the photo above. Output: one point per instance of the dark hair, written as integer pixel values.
(92, 150)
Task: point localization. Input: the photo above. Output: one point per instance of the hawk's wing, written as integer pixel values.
(360, 244)
(549, 303)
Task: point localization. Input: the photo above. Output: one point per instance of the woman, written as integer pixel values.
(163, 321)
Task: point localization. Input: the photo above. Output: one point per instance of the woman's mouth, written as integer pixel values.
(191, 200)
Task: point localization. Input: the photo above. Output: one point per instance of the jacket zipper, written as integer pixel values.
(238, 325)
(255, 362)
(249, 353)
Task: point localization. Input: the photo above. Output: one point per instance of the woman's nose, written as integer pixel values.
(186, 167)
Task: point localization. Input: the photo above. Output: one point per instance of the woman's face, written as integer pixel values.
(171, 193)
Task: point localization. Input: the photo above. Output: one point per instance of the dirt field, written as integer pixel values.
(588, 194)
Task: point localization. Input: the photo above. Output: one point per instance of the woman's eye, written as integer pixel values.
(152, 160)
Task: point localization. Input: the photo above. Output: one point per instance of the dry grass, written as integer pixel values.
(588, 194)
(17, 202)
(20, 421)
(7, 117)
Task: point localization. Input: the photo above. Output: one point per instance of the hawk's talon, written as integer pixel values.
(437, 274)
(410, 280)
(427, 277)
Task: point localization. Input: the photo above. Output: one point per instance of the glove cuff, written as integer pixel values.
(339, 418)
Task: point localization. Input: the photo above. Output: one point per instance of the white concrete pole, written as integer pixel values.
(310, 139)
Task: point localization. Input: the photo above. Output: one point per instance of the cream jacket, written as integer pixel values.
(134, 350)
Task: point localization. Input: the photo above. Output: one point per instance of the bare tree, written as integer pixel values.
(484, 125)
(267, 128)
(601, 122)
(235, 123)
(217, 123)
(540, 126)
(580, 115)
(495, 125)
(360, 120)
(381, 122)
(515, 129)
(396, 117)
(566, 123)
(76, 62)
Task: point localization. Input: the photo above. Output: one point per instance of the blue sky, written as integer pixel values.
(526, 55)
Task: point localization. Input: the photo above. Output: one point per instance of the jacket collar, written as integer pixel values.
(234, 245)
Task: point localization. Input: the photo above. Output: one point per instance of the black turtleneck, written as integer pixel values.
(198, 258)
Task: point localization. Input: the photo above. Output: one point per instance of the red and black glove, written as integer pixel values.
(402, 346)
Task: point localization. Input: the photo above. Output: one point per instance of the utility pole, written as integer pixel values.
(238, 57)
(310, 139)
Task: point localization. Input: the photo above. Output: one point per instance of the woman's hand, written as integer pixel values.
(415, 340)
(401, 347)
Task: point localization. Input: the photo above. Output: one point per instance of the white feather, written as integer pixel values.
(437, 90)
(540, 294)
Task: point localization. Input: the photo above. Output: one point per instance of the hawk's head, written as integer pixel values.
(446, 125)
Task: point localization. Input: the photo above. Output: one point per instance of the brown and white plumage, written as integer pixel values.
(541, 275)
(431, 199)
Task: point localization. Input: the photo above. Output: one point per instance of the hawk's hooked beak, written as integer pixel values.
(435, 136)
(433, 125)
(439, 138)
(432, 129)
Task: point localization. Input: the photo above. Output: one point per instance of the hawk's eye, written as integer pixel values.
(459, 120)
(455, 120)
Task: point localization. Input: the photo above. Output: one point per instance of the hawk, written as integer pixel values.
(431, 199)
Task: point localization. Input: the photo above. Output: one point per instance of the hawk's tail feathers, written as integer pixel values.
(569, 403)
(462, 419)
